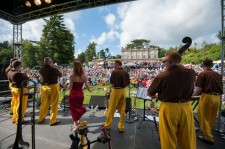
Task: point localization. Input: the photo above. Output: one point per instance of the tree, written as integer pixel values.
(118, 56)
(6, 52)
(138, 43)
(104, 54)
(57, 41)
(161, 53)
(90, 52)
(219, 35)
(81, 57)
(28, 54)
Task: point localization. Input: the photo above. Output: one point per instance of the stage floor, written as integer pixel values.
(57, 137)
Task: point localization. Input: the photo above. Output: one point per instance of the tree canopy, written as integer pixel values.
(57, 41)
(138, 43)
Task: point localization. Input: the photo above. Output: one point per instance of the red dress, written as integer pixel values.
(76, 98)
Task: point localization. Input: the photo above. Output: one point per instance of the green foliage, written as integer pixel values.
(138, 43)
(161, 53)
(57, 41)
(28, 54)
(90, 52)
(104, 54)
(118, 56)
(81, 57)
(195, 56)
(6, 52)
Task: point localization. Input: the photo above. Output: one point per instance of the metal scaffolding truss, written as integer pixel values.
(69, 6)
(17, 41)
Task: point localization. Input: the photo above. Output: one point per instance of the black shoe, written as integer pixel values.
(41, 121)
(204, 140)
(56, 123)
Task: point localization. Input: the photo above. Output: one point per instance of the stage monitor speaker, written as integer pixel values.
(99, 101)
(128, 104)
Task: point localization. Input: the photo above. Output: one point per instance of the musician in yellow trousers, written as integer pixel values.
(209, 84)
(119, 80)
(49, 91)
(176, 120)
(17, 77)
(10, 84)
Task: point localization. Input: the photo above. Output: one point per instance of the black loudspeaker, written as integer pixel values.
(128, 104)
(99, 101)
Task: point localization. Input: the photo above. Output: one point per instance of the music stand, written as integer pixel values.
(142, 94)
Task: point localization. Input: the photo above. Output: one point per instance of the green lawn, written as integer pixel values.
(101, 92)
(96, 91)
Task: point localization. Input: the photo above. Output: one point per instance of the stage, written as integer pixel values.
(57, 137)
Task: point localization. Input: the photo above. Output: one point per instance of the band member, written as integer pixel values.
(209, 84)
(176, 120)
(10, 67)
(16, 77)
(49, 91)
(76, 96)
(119, 80)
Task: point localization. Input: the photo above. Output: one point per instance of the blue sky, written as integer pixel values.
(163, 22)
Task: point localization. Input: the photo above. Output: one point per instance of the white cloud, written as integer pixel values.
(105, 36)
(69, 24)
(166, 22)
(110, 19)
(6, 31)
(32, 30)
(77, 52)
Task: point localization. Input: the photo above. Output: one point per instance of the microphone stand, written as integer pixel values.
(19, 142)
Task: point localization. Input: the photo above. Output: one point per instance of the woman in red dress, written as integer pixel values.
(76, 96)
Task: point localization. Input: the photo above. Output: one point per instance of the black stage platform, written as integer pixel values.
(57, 137)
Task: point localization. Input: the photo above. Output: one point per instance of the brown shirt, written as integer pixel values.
(174, 85)
(16, 78)
(50, 75)
(210, 81)
(119, 78)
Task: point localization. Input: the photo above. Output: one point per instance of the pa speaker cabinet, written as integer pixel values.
(99, 101)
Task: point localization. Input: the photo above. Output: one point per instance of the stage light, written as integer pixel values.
(27, 3)
(37, 2)
(48, 1)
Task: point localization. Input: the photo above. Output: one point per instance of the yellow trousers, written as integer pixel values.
(13, 99)
(117, 100)
(176, 126)
(49, 96)
(207, 112)
(16, 94)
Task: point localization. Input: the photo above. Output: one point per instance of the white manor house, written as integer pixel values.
(142, 53)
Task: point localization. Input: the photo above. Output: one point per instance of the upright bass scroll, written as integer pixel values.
(188, 42)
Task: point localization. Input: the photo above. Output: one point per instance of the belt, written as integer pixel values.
(181, 101)
(213, 93)
(47, 84)
(117, 87)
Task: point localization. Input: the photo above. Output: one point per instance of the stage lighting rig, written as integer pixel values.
(48, 1)
(28, 3)
(31, 3)
(37, 2)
